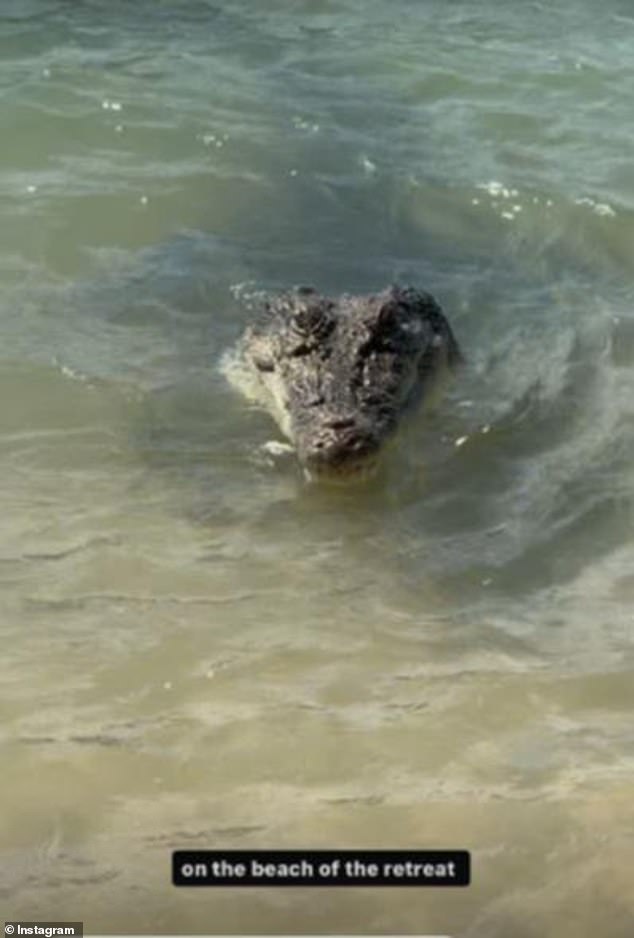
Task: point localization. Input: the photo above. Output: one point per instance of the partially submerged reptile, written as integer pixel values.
(338, 374)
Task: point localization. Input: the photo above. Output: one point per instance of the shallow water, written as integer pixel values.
(199, 649)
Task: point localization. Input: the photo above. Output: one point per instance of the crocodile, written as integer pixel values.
(337, 374)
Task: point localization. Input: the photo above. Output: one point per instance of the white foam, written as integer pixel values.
(277, 448)
(599, 208)
(493, 187)
(602, 208)
(368, 165)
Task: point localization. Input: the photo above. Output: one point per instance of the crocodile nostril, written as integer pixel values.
(340, 423)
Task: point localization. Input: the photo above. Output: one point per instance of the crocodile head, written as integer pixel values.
(338, 374)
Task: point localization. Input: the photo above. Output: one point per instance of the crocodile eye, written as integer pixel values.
(385, 328)
(263, 363)
(389, 318)
(312, 320)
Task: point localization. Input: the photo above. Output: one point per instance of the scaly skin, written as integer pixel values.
(338, 374)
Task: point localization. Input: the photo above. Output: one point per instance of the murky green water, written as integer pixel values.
(198, 649)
